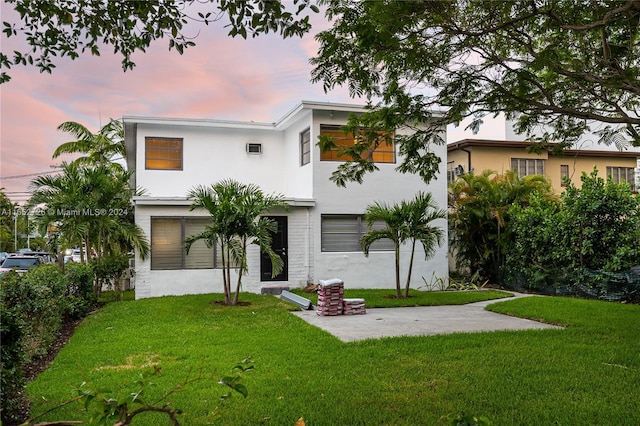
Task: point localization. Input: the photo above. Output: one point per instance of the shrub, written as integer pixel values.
(12, 324)
(80, 293)
(109, 271)
(33, 307)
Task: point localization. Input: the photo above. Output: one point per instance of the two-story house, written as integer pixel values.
(479, 155)
(318, 236)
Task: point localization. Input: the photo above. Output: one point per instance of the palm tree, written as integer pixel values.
(89, 205)
(419, 214)
(479, 207)
(100, 148)
(235, 211)
(407, 221)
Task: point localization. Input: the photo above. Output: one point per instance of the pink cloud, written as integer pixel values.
(255, 79)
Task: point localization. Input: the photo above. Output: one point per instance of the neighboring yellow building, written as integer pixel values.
(480, 154)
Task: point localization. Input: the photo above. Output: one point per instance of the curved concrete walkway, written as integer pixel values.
(419, 321)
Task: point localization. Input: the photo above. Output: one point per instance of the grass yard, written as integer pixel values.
(588, 373)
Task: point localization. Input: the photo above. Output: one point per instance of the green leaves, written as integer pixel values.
(235, 209)
(407, 221)
(565, 64)
(72, 27)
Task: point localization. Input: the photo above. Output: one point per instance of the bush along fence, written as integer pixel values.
(33, 308)
(581, 282)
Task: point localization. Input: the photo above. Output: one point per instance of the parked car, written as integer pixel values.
(3, 256)
(20, 264)
(45, 255)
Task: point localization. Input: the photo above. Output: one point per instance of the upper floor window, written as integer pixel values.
(383, 153)
(622, 174)
(527, 166)
(305, 147)
(163, 153)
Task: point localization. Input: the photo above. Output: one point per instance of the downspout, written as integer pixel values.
(308, 247)
(468, 159)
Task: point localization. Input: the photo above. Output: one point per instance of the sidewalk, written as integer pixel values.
(420, 321)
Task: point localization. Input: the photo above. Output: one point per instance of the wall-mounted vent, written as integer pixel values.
(254, 148)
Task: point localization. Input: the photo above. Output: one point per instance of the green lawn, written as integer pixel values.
(588, 373)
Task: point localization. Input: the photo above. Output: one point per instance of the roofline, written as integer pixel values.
(197, 122)
(493, 143)
(184, 201)
(237, 124)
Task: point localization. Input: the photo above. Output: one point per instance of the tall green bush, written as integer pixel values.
(12, 325)
(595, 227)
(479, 216)
(33, 307)
(601, 224)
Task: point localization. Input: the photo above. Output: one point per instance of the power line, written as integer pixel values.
(28, 175)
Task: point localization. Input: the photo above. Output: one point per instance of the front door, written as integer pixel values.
(280, 246)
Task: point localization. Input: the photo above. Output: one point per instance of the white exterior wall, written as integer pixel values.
(210, 155)
(154, 283)
(378, 270)
(213, 151)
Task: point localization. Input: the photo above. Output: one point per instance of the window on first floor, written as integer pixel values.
(383, 153)
(622, 174)
(167, 244)
(305, 147)
(163, 153)
(342, 233)
(527, 166)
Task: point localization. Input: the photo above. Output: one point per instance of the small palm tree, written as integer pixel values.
(235, 211)
(407, 221)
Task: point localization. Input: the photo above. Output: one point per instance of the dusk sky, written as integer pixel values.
(220, 78)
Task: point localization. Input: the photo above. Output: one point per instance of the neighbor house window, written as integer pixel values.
(167, 244)
(622, 174)
(527, 166)
(451, 172)
(163, 153)
(382, 154)
(564, 174)
(342, 233)
(305, 147)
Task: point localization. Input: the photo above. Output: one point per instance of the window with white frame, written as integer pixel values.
(167, 244)
(622, 174)
(305, 147)
(342, 233)
(528, 166)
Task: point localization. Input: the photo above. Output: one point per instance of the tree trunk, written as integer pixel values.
(398, 289)
(408, 284)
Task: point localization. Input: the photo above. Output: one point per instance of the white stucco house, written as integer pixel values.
(318, 235)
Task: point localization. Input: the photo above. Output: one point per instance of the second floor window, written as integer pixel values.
(527, 166)
(305, 147)
(383, 153)
(162, 153)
